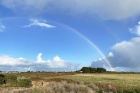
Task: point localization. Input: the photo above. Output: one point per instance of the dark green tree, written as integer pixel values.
(101, 70)
(92, 70)
(85, 70)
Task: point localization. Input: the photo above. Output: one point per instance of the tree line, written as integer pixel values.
(92, 70)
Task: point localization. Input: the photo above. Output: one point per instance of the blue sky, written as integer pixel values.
(47, 35)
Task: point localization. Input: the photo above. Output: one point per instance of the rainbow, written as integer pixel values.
(90, 42)
(85, 38)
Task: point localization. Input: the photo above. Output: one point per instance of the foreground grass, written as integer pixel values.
(121, 80)
(83, 83)
(63, 86)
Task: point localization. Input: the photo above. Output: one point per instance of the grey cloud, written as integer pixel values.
(107, 9)
(126, 55)
(99, 63)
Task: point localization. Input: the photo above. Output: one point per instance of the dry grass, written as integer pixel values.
(60, 85)
(72, 82)
(52, 87)
(35, 76)
(65, 87)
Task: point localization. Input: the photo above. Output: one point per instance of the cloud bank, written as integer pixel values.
(125, 56)
(21, 64)
(107, 9)
(41, 23)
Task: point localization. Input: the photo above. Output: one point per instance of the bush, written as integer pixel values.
(10, 78)
(12, 81)
(2, 80)
(1, 75)
(24, 83)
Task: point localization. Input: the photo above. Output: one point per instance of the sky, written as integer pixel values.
(65, 35)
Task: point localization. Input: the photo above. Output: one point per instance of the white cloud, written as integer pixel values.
(22, 64)
(56, 58)
(39, 59)
(110, 54)
(126, 56)
(135, 30)
(9, 61)
(35, 22)
(107, 9)
(57, 62)
(2, 27)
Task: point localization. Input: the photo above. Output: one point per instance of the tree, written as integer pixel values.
(101, 70)
(92, 70)
(85, 70)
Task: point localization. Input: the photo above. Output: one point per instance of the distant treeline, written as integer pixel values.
(92, 70)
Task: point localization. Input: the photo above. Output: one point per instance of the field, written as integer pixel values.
(63, 82)
(121, 80)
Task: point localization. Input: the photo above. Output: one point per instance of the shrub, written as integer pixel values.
(2, 80)
(24, 83)
(10, 78)
(1, 75)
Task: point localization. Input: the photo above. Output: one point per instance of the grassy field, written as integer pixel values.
(64, 82)
(121, 80)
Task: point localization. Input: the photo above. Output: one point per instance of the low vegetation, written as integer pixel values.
(11, 80)
(24, 82)
(122, 82)
(70, 82)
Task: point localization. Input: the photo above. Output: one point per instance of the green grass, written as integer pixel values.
(121, 80)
